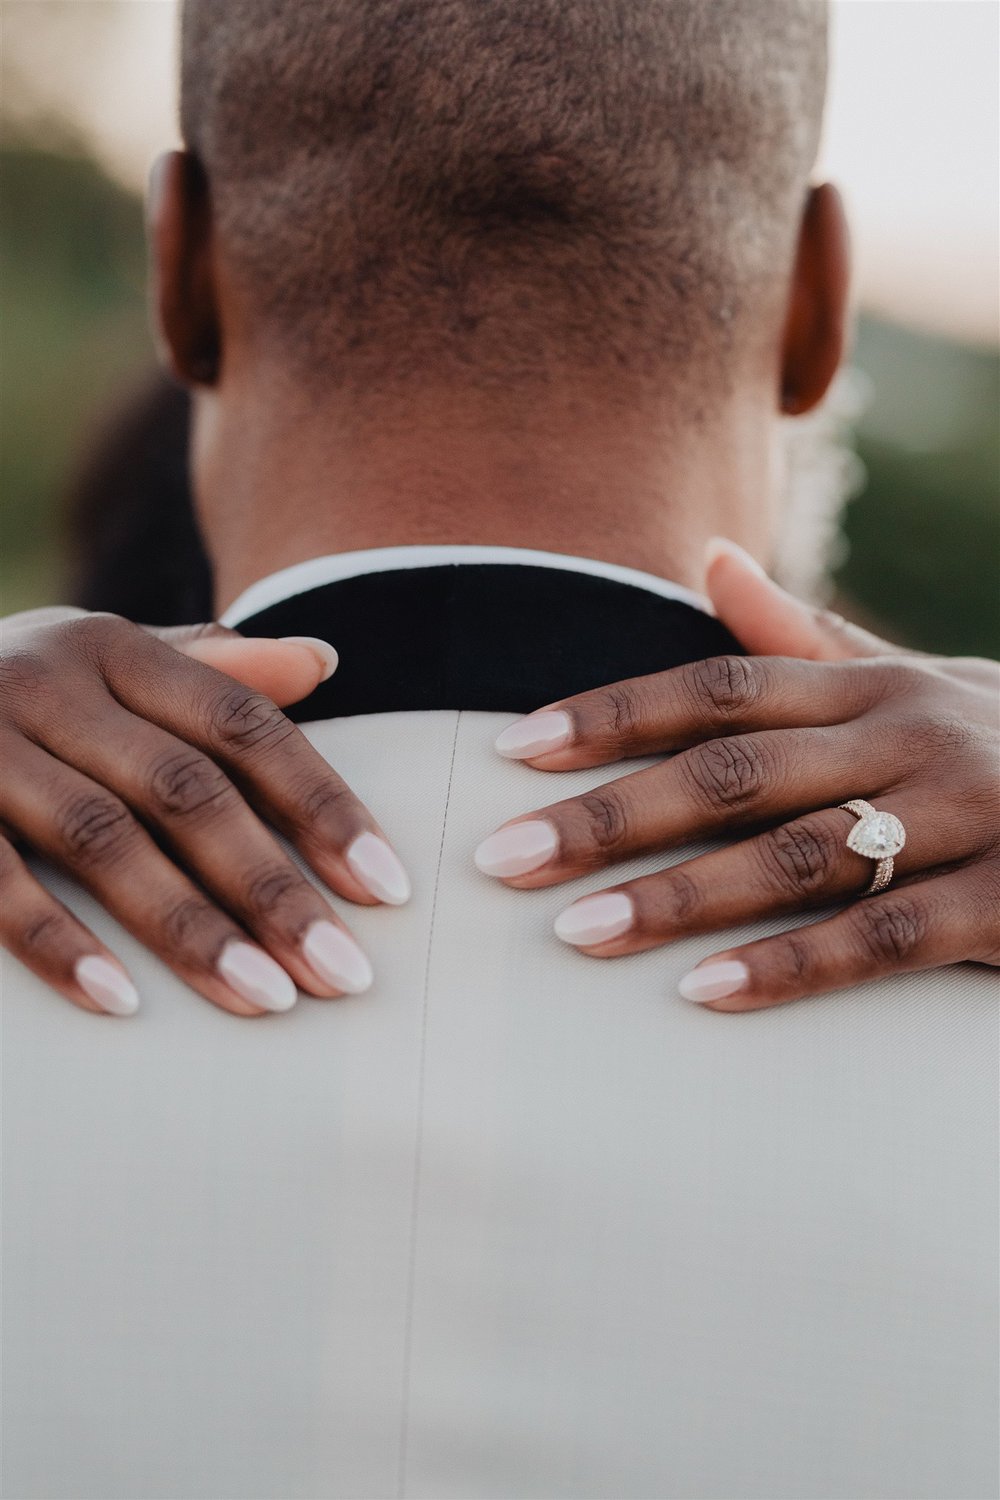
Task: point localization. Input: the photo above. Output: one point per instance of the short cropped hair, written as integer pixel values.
(499, 189)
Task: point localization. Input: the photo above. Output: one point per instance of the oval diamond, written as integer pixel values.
(877, 836)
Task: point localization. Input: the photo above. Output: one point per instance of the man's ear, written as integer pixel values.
(184, 292)
(816, 325)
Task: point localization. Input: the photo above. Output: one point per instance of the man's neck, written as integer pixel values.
(284, 484)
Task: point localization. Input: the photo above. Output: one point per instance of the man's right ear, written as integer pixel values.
(816, 322)
(184, 291)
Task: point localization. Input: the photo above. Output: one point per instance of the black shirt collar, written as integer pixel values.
(503, 637)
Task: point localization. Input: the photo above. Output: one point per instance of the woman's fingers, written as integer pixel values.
(823, 713)
(89, 780)
(723, 784)
(682, 707)
(193, 806)
(948, 919)
(53, 944)
(789, 868)
(670, 710)
(767, 621)
(88, 830)
(266, 755)
(284, 670)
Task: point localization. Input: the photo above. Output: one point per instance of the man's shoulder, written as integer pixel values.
(595, 1231)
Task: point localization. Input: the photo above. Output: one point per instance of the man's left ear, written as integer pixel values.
(184, 291)
(816, 324)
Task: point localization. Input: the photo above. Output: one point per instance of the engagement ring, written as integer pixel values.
(878, 836)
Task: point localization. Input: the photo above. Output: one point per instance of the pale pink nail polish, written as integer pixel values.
(336, 958)
(106, 985)
(379, 869)
(714, 981)
(328, 657)
(549, 729)
(595, 919)
(256, 977)
(518, 849)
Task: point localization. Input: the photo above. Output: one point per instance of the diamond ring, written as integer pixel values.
(876, 835)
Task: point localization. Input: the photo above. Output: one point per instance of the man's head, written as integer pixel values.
(407, 190)
(532, 272)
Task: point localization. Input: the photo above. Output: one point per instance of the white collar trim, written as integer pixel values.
(304, 576)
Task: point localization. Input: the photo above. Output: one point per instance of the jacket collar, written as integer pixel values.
(505, 637)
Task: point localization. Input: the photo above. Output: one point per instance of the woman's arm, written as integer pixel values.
(769, 747)
(141, 769)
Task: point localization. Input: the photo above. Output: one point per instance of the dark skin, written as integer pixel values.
(927, 714)
(767, 744)
(153, 792)
(768, 748)
(449, 462)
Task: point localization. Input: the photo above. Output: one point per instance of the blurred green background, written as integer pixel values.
(924, 536)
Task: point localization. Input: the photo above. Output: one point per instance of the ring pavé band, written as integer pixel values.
(876, 835)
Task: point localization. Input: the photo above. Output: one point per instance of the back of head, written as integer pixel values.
(498, 192)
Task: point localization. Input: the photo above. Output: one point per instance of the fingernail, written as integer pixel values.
(105, 984)
(595, 919)
(379, 869)
(517, 850)
(721, 546)
(547, 730)
(328, 657)
(337, 959)
(256, 977)
(714, 981)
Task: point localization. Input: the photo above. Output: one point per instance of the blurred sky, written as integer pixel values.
(912, 131)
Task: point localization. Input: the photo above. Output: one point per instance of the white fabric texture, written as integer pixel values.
(516, 1223)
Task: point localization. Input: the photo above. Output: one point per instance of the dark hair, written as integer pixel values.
(134, 545)
(493, 191)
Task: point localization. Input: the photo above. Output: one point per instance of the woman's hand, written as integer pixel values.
(770, 745)
(135, 764)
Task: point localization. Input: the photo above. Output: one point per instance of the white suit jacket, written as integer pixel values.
(516, 1223)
